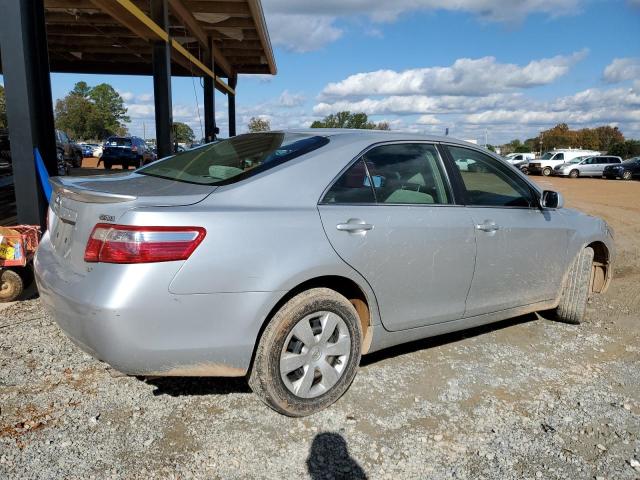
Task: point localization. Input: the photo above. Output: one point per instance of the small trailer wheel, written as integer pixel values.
(11, 286)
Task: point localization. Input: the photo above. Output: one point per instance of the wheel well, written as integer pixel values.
(345, 287)
(600, 275)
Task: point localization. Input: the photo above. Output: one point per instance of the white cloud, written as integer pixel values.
(290, 100)
(428, 120)
(302, 33)
(622, 69)
(307, 25)
(470, 77)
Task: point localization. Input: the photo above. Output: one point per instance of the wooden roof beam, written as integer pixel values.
(185, 16)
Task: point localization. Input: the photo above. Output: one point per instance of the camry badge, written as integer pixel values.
(107, 218)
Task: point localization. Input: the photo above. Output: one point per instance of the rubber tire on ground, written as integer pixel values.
(574, 173)
(77, 161)
(107, 165)
(264, 378)
(546, 171)
(573, 301)
(626, 175)
(524, 170)
(11, 286)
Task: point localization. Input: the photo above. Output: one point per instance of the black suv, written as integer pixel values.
(125, 151)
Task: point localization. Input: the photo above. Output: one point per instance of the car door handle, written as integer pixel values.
(355, 225)
(488, 226)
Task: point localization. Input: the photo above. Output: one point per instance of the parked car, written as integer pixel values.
(285, 256)
(585, 166)
(88, 148)
(70, 151)
(125, 151)
(545, 164)
(5, 151)
(97, 151)
(518, 158)
(626, 170)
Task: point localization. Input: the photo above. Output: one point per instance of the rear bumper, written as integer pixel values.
(139, 328)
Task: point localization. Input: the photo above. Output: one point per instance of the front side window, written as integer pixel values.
(559, 156)
(234, 159)
(488, 183)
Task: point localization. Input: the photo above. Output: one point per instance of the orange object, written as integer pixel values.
(20, 243)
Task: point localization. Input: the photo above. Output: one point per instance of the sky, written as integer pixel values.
(501, 68)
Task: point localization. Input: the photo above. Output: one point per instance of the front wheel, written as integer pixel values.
(574, 174)
(525, 170)
(573, 301)
(308, 354)
(626, 175)
(546, 171)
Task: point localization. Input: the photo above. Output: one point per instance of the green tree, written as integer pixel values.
(3, 108)
(627, 149)
(257, 124)
(607, 136)
(183, 133)
(349, 120)
(110, 110)
(91, 112)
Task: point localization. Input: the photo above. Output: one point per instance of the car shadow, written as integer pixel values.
(444, 339)
(329, 458)
(196, 386)
(199, 386)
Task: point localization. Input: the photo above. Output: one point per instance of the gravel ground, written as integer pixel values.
(526, 398)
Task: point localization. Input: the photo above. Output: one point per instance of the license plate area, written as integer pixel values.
(61, 234)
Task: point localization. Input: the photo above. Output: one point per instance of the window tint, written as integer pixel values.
(559, 156)
(406, 173)
(234, 159)
(353, 186)
(487, 182)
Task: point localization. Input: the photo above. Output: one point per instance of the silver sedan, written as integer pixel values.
(285, 256)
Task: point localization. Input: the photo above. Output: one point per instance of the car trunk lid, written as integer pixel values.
(78, 204)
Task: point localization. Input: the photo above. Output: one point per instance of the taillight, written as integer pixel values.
(134, 149)
(132, 244)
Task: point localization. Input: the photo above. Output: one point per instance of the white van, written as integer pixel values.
(553, 158)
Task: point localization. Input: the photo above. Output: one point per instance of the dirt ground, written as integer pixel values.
(525, 398)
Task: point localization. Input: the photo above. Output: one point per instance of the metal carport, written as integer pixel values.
(215, 40)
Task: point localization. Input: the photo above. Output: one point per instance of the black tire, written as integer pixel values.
(11, 286)
(138, 163)
(265, 378)
(525, 170)
(626, 175)
(575, 293)
(574, 173)
(107, 165)
(77, 161)
(546, 171)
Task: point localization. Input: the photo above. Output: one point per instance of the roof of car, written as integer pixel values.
(378, 135)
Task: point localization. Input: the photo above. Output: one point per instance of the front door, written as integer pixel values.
(522, 249)
(391, 217)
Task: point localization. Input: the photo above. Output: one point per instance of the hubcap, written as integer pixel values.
(315, 354)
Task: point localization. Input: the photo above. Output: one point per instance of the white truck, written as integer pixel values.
(546, 163)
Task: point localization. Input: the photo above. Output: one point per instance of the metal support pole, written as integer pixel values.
(233, 82)
(25, 63)
(209, 101)
(162, 81)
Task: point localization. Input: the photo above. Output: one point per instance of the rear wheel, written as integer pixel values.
(546, 171)
(626, 175)
(107, 165)
(524, 169)
(573, 301)
(574, 173)
(308, 354)
(77, 160)
(11, 286)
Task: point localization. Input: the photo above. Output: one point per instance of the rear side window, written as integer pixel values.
(118, 142)
(404, 174)
(234, 159)
(353, 186)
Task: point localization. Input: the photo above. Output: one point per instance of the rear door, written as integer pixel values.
(392, 217)
(521, 250)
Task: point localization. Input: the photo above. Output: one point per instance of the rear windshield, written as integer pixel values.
(234, 159)
(118, 142)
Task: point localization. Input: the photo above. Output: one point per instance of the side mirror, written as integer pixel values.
(551, 199)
